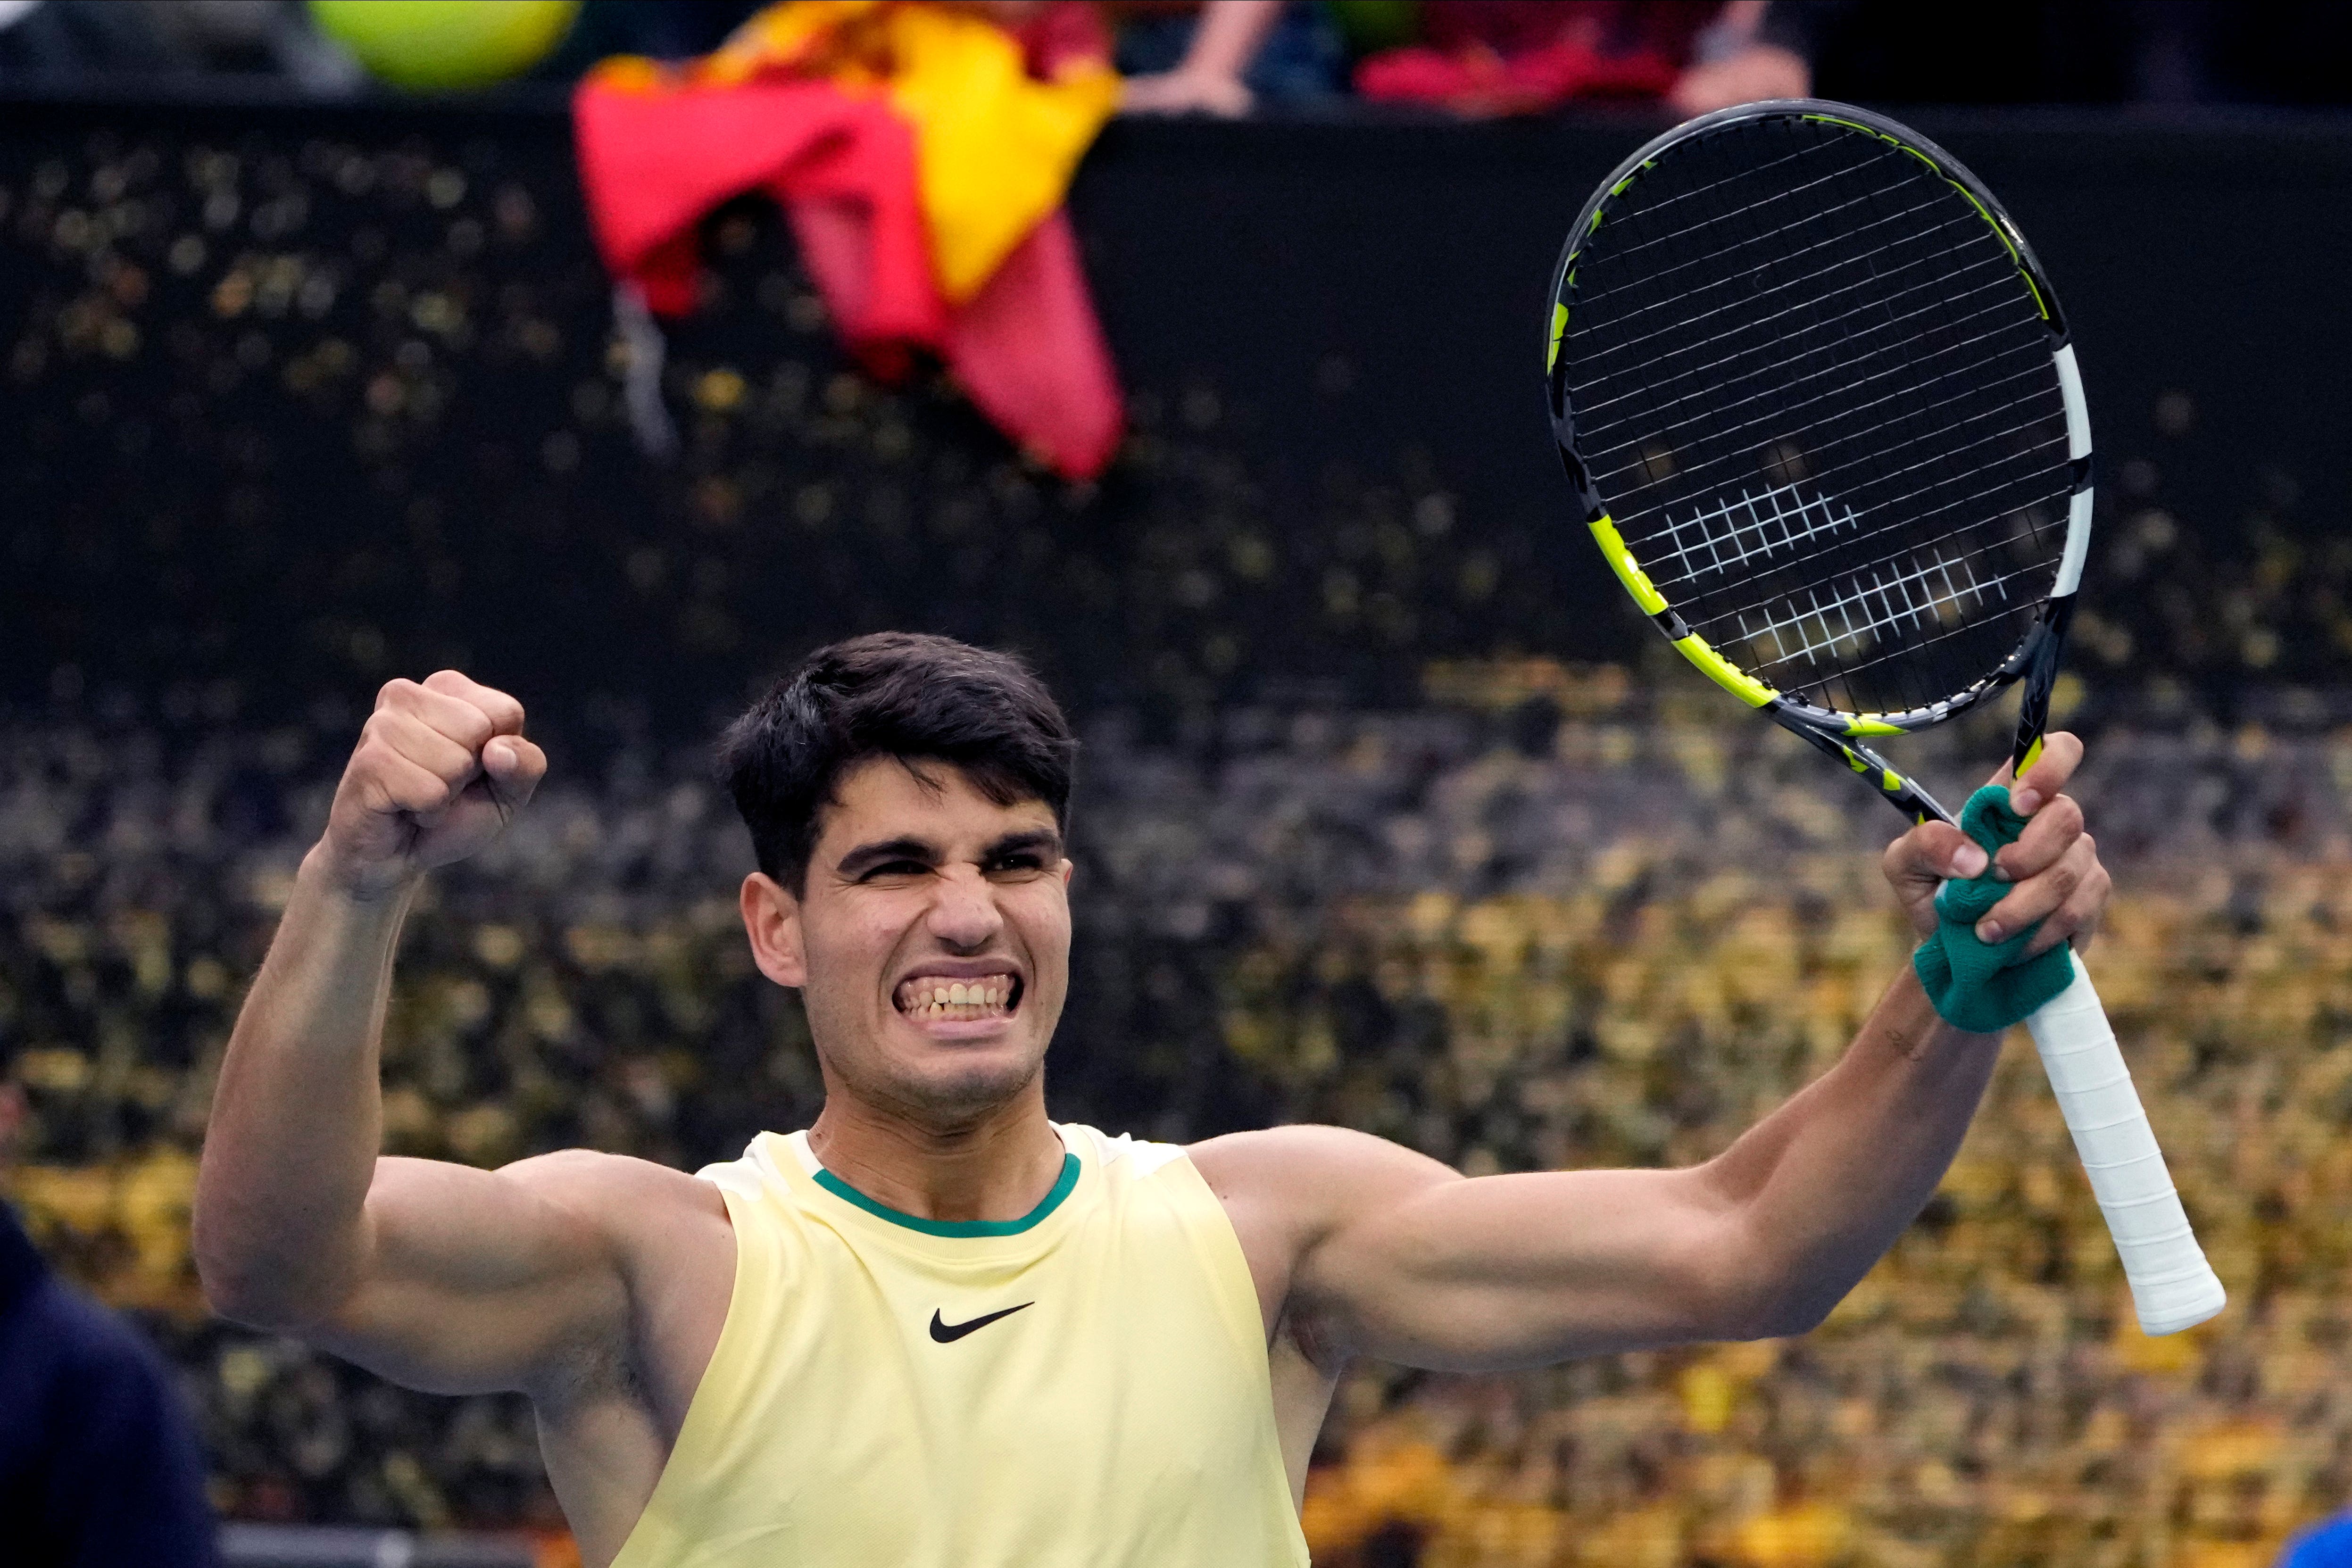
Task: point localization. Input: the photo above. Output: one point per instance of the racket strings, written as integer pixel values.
(1713, 531)
(1865, 320)
(1913, 536)
(1755, 631)
(1775, 194)
(1664, 200)
(1767, 417)
(1968, 380)
(1681, 325)
(1912, 649)
(1943, 582)
(1880, 308)
(1865, 349)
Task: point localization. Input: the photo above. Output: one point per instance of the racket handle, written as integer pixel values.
(2173, 1286)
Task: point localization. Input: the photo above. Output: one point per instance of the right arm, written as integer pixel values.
(437, 1275)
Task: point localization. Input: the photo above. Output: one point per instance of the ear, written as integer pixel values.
(13, 1111)
(771, 919)
(1069, 868)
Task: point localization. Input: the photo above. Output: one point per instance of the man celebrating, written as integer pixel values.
(938, 1328)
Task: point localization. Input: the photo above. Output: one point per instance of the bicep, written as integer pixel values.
(475, 1279)
(1489, 1272)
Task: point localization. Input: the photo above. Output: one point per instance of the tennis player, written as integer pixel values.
(937, 1327)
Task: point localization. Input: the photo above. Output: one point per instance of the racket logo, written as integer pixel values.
(1846, 616)
(1730, 533)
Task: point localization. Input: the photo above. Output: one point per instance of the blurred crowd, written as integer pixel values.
(1531, 924)
(1233, 57)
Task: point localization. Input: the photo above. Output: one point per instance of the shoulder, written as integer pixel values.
(1307, 1149)
(590, 1175)
(1314, 1175)
(1289, 1191)
(671, 1245)
(619, 1196)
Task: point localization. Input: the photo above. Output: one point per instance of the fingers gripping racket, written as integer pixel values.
(1820, 409)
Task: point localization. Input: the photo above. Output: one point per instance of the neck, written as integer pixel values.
(996, 1165)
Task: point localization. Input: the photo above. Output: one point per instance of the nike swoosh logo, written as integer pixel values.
(947, 1334)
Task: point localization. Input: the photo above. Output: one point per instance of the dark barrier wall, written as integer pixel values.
(298, 400)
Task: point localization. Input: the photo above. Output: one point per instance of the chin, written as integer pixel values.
(965, 1093)
(960, 1079)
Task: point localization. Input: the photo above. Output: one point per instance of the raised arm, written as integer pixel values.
(1392, 1254)
(438, 1275)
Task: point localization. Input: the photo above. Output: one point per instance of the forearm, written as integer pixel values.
(1825, 1184)
(297, 1115)
(1229, 33)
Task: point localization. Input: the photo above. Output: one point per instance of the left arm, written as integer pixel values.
(1392, 1254)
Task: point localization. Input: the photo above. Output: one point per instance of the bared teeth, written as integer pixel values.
(938, 997)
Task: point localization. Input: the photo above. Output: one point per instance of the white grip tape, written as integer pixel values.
(2173, 1286)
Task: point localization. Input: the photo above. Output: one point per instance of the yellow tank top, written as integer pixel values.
(1087, 1385)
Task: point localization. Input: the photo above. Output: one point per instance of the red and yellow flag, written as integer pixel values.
(921, 153)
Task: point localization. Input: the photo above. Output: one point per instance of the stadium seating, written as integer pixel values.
(1510, 954)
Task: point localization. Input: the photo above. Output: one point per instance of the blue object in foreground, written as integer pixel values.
(2327, 1545)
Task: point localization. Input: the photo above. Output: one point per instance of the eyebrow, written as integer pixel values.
(1043, 840)
(864, 857)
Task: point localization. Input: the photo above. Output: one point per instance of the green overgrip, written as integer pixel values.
(1982, 987)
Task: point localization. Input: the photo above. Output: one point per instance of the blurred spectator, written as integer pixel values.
(1517, 56)
(70, 43)
(1479, 57)
(1223, 57)
(1749, 51)
(98, 1467)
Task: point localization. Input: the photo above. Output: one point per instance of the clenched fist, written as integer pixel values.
(2054, 863)
(440, 769)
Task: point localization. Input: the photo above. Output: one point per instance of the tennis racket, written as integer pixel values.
(1818, 404)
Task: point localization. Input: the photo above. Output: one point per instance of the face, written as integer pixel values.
(931, 942)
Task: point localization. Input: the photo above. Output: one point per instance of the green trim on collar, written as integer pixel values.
(959, 1228)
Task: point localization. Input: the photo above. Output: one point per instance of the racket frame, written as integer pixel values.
(1844, 735)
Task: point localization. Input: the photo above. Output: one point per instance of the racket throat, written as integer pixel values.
(1898, 792)
(2039, 656)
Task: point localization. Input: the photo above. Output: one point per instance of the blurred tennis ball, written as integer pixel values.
(435, 46)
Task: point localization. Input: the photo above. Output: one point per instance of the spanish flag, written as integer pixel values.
(921, 153)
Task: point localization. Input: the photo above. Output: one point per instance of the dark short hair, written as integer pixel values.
(893, 694)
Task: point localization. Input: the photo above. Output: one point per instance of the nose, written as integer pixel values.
(964, 915)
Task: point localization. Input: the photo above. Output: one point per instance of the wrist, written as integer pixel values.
(1210, 78)
(1913, 1026)
(373, 885)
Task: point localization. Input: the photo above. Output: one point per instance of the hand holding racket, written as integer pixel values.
(1821, 411)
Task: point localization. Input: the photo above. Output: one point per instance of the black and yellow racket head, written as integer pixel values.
(1815, 396)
